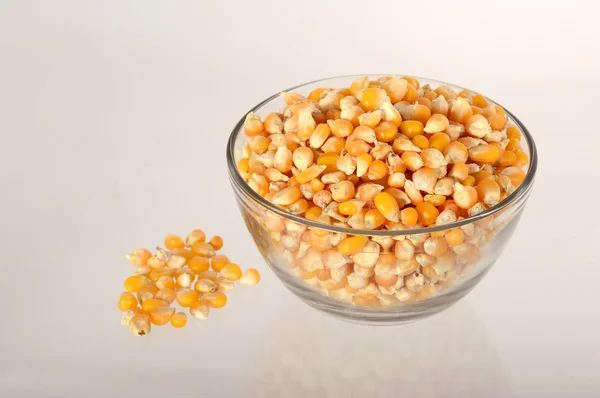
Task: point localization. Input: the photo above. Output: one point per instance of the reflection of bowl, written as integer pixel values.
(311, 356)
(302, 252)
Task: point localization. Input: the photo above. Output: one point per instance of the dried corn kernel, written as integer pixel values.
(179, 320)
(250, 277)
(127, 301)
(140, 325)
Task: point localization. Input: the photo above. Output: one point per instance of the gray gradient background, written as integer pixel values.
(114, 117)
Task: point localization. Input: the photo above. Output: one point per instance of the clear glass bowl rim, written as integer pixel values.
(239, 182)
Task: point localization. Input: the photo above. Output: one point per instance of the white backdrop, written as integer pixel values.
(114, 118)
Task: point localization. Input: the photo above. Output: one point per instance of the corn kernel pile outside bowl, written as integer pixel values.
(380, 199)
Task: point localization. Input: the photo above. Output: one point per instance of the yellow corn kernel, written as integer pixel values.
(134, 283)
(340, 128)
(302, 158)
(253, 125)
(411, 128)
(470, 181)
(497, 122)
(396, 89)
(370, 119)
(480, 101)
(459, 171)
(186, 296)
(150, 304)
(212, 275)
(185, 253)
(316, 185)
(218, 262)
(216, 299)
(516, 175)
(287, 196)
(436, 124)
(425, 179)
(522, 159)
(488, 192)
(342, 191)
(485, 153)
(216, 242)
(409, 216)
(161, 315)
(166, 294)
(424, 101)
(157, 273)
(464, 196)
(386, 131)
(513, 145)
(461, 111)
(205, 286)
(165, 282)
(436, 200)
(140, 325)
(232, 271)
(139, 257)
(179, 320)
(412, 160)
(352, 245)
(421, 141)
(396, 180)
(251, 277)
(273, 123)
(507, 158)
(477, 126)
(374, 219)
(199, 264)
(310, 173)
(476, 110)
(377, 170)
(314, 213)
(433, 158)
(259, 184)
(412, 81)
(419, 112)
(196, 235)
(334, 145)
(200, 309)
(127, 301)
(203, 249)
(427, 213)
(306, 125)
(351, 207)
(411, 95)
(513, 133)
(320, 135)
(387, 205)
(362, 164)
(293, 98)
(439, 141)
(372, 98)
(174, 242)
(455, 237)
(456, 152)
(357, 147)
(366, 300)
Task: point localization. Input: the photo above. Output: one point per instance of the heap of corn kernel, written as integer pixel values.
(385, 154)
(181, 272)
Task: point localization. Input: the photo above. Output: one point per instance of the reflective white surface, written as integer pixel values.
(114, 122)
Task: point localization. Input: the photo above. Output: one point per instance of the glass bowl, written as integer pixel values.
(308, 258)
